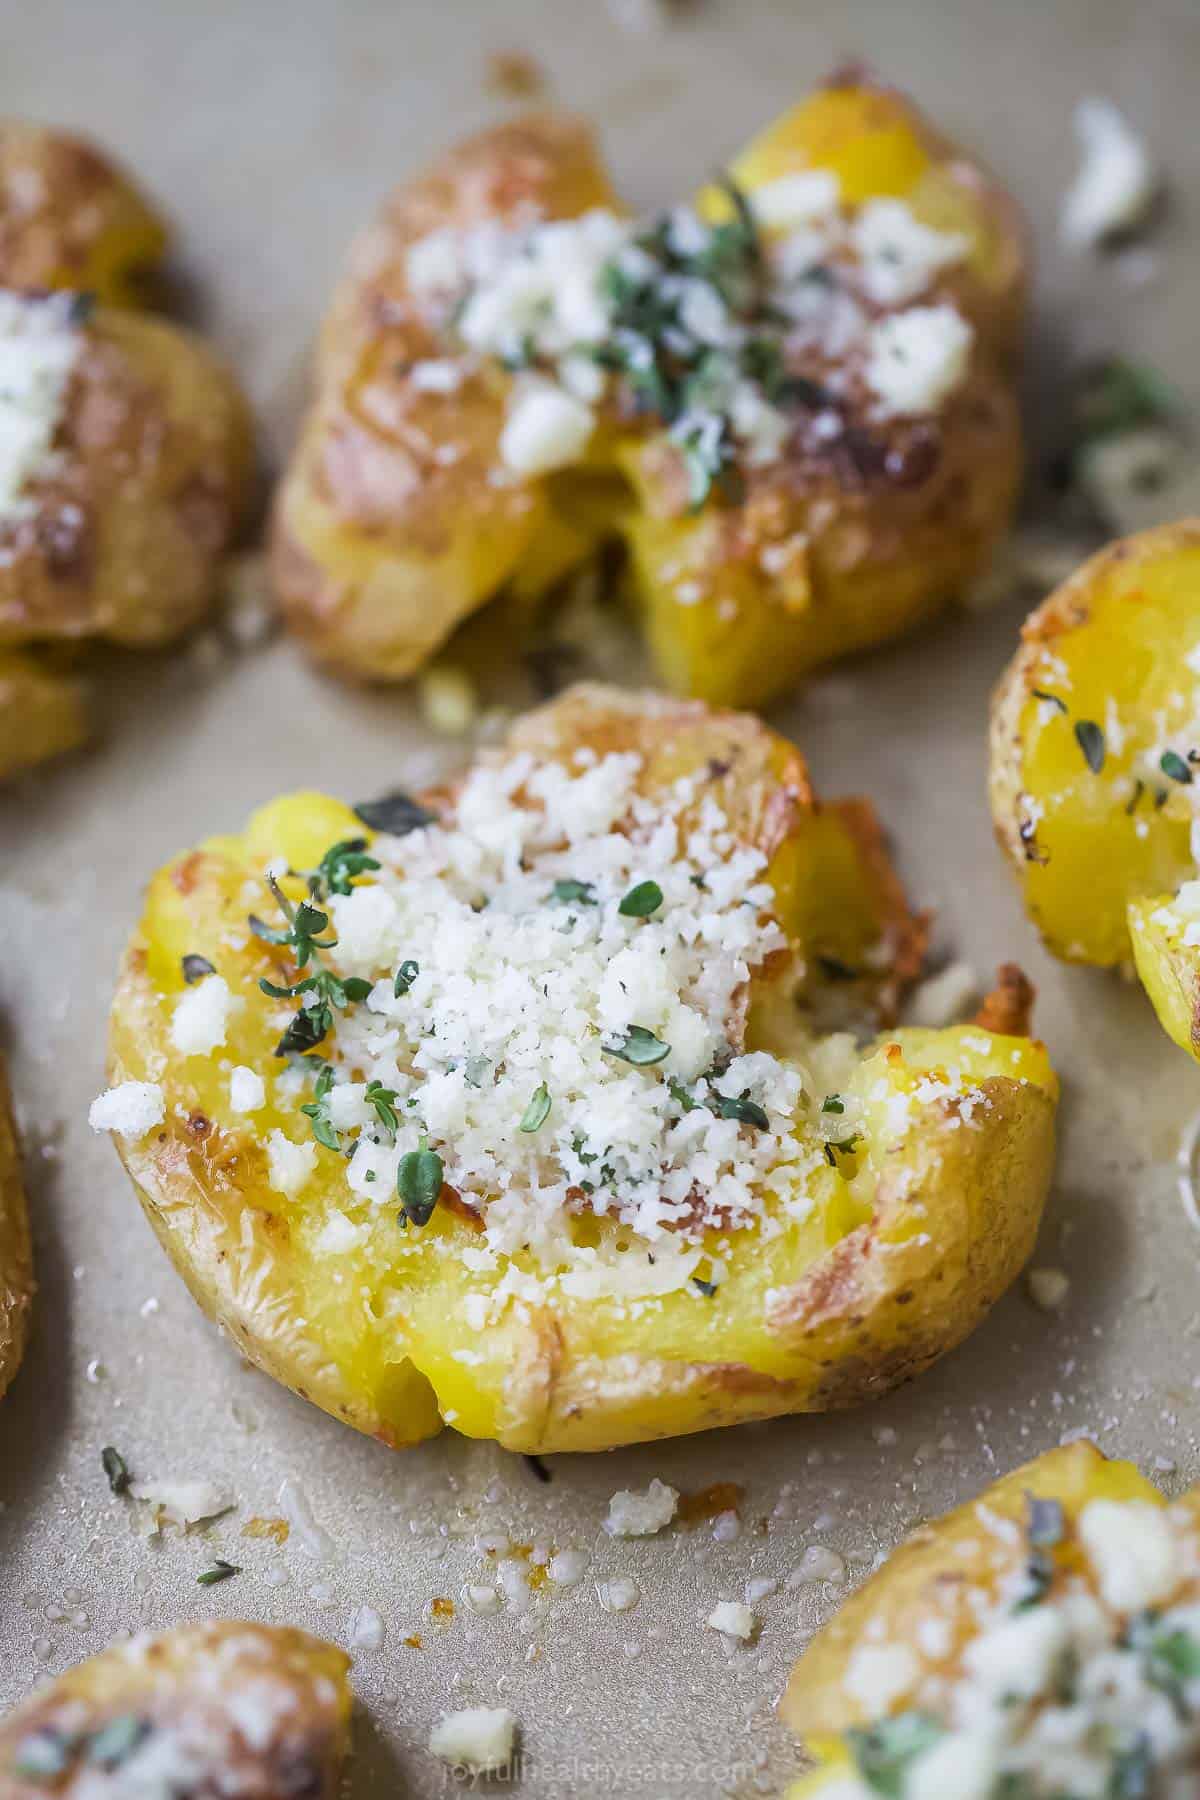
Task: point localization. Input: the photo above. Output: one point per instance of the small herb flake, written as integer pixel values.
(114, 1466)
(220, 1571)
(1050, 699)
(1175, 767)
(406, 974)
(110, 1746)
(196, 967)
(1045, 1527)
(538, 1467)
(642, 900)
(578, 893)
(639, 1047)
(419, 1180)
(395, 813)
(1090, 739)
(44, 1754)
(883, 1752)
(707, 1288)
(538, 1110)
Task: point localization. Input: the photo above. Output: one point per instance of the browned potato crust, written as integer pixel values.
(16, 1249)
(249, 1712)
(41, 712)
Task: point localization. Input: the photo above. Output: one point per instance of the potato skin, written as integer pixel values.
(198, 1687)
(838, 1307)
(125, 538)
(42, 712)
(16, 1248)
(70, 217)
(381, 548)
(952, 1551)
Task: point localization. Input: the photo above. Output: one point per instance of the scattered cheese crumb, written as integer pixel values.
(247, 1090)
(479, 1737)
(916, 358)
(546, 428)
(1132, 1550)
(39, 346)
(182, 1502)
(1048, 1288)
(201, 1016)
(130, 1109)
(1117, 182)
(640, 1515)
(796, 199)
(289, 1166)
(877, 1675)
(733, 1619)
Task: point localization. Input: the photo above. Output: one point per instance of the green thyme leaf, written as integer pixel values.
(110, 1746)
(833, 1103)
(220, 1571)
(114, 1466)
(1051, 699)
(406, 974)
(1045, 1525)
(1090, 739)
(44, 1754)
(743, 1109)
(270, 934)
(707, 1288)
(475, 1070)
(195, 968)
(538, 1110)
(580, 893)
(1173, 765)
(884, 1752)
(340, 864)
(638, 1046)
(641, 901)
(384, 1102)
(419, 1180)
(395, 813)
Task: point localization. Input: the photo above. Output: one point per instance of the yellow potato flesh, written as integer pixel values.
(391, 1314)
(906, 1590)
(41, 712)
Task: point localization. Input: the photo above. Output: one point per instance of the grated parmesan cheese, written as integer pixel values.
(131, 1109)
(289, 1166)
(201, 1016)
(641, 1515)
(247, 1090)
(916, 358)
(733, 1619)
(478, 1737)
(40, 344)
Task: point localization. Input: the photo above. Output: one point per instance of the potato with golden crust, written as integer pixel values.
(555, 1143)
(251, 1712)
(70, 217)
(1040, 1640)
(792, 405)
(1094, 750)
(41, 712)
(16, 1248)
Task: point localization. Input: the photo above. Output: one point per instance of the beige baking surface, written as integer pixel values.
(269, 127)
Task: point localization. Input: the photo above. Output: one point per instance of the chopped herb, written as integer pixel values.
(1174, 766)
(220, 1571)
(1114, 396)
(322, 990)
(317, 1110)
(1090, 739)
(707, 1288)
(419, 1180)
(1051, 699)
(883, 1752)
(114, 1466)
(538, 1466)
(686, 1101)
(1038, 1577)
(109, 1746)
(1045, 1527)
(396, 813)
(743, 1109)
(581, 893)
(340, 864)
(384, 1102)
(406, 974)
(44, 1754)
(538, 1110)
(1138, 791)
(1132, 1775)
(644, 899)
(638, 1046)
(475, 1070)
(833, 1103)
(195, 968)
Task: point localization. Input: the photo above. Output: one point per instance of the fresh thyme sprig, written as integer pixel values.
(322, 990)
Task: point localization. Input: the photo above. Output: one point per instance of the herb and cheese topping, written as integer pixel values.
(1080, 1674)
(40, 343)
(734, 334)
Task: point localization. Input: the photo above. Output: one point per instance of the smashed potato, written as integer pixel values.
(1095, 754)
(254, 1712)
(41, 712)
(538, 1126)
(1042, 1640)
(71, 218)
(793, 405)
(16, 1249)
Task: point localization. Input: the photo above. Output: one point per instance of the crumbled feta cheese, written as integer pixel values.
(546, 428)
(1048, 1288)
(899, 255)
(916, 358)
(182, 1502)
(478, 1737)
(1131, 1548)
(289, 1166)
(437, 376)
(40, 344)
(201, 1015)
(247, 1090)
(641, 1515)
(877, 1675)
(733, 1619)
(797, 199)
(1116, 183)
(130, 1109)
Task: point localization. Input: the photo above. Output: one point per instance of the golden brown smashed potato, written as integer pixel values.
(792, 406)
(1042, 1640)
(250, 1712)
(125, 445)
(16, 1249)
(605, 1177)
(1096, 767)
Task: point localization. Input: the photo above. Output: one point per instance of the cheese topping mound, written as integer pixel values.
(731, 333)
(552, 987)
(40, 343)
(1081, 1677)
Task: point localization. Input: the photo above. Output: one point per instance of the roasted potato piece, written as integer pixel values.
(606, 1180)
(70, 217)
(1042, 1640)
(120, 532)
(41, 712)
(16, 1249)
(251, 1712)
(714, 391)
(1095, 750)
